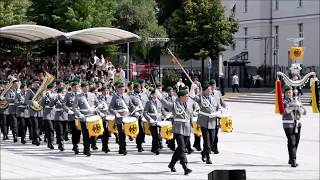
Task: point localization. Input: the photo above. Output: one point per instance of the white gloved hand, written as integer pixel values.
(136, 114)
(82, 117)
(102, 114)
(70, 112)
(2, 98)
(118, 115)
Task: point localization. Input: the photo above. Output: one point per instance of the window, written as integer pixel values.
(276, 5)
(300, 3)
(245, 37)
(276, 37)
(300, 28)
(245, 6)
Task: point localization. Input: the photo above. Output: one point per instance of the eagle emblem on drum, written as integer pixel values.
(133, 128)
(96, 128)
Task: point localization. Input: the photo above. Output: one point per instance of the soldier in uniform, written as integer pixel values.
(34, 114)
(153, 113)
(1, 111)
(10, 112)
(60, 117)
(69, 100)
(20, 111)
(209, 111)
(105, 100)
(84, 106)
(197, 139)
(139, 100)
(218, 98)
(168, 114)
(27, 112)
(47, 104)
(182, 110)
(120, 107)
(291, 122)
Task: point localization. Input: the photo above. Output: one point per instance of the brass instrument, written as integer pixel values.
(49, 78)
(4, 103)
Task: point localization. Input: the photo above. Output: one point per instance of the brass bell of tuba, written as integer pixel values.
(4, 103)
(49, 78)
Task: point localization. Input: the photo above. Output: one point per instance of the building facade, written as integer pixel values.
(262, 40)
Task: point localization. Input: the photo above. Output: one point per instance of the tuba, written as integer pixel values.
(4, 103)
(49, 78)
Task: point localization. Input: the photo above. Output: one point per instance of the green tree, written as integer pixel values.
(139, 17)
(70, 15)
(200, 29)
(13, 12)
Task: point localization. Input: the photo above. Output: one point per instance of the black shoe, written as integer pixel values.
(216, 152)
(94, 147)
(88, 153)
(190, 151)
(172, 148)
(139, 149)
(124, 152)
(294, 163)
(23, 141)
(45, 140)
(7, 137)
(172, 168)
(186, 169)
(157, 152)
(66, 138)
(130, 138)
(15, 139)
(160, 146)
(75, 149)
(197, 148)
(203, 158)
(60, 147)
(105, 149)
(36, 142)
(208, 161)
(289, 162)
(50, 146)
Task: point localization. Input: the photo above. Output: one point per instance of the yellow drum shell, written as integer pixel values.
(78, 124)
(166, 130)
(94, 125)
(146, 128)
(226, 123)
(196, 127)
(112, 127)
(131, 126)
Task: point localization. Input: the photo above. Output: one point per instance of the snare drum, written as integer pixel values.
(94, 125)
(226, 123)
(166, 129)
(131, 126)
(196, 127)
(112, 126)
(146, 127)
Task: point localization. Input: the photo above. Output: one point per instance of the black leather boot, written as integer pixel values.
(50, 146)
(60, 146)
(15, 139)
(75, 149)
(172, 168)
(294, 163)
(186, 169)
(208, 159)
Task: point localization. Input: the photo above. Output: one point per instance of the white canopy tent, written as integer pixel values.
(30, 33)
(95, 37)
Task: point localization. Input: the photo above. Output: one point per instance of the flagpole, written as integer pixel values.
(180, 65)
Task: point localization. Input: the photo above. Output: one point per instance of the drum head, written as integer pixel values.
(110, 117)
(164, 123)
(129, 119)
(93, 118)
(225, 115)
(194, 119)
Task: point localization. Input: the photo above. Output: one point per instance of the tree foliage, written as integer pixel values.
(70, 15)
(13, 12)
(201, 29)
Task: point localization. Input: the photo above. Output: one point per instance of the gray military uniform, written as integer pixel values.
(120, 105)
(153, 111)
(182, 116)
(85, 105)
(69, 100)
(106, 101)
(21, 107)
(60, 108)
(289, 116)
(10, 97)
(139, 101)
(47, 104)
(208, 105)
(218, 98)
(30, 94)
